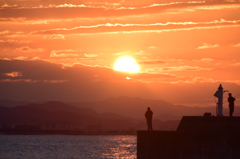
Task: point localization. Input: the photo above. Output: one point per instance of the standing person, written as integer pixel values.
(231, 100)
(148, 116)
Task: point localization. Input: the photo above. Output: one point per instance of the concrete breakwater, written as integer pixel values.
(195, 138)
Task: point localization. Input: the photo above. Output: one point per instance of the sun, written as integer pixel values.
(126, 64)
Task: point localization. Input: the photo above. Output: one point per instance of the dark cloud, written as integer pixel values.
(42, 80)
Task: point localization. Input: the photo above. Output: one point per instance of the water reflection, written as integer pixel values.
(68, 146)
(123, 147)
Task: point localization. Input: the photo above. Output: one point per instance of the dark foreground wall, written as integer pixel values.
(203, 124)
(190, 144)
(187, 145)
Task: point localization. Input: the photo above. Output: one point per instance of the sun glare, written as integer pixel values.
(126, 64)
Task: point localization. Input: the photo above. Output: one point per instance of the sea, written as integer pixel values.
(68, 146)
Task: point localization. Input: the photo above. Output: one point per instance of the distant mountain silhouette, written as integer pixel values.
(112, 113)
(9, 103)
(136, 107)
(62, 114)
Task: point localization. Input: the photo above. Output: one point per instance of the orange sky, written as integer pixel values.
(65, 50)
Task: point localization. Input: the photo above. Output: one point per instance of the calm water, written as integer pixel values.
(68, 146)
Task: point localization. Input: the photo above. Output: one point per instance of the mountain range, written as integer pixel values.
(115, 113)
(136, 107)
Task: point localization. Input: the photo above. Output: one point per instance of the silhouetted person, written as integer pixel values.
(148, 116)
(231, 100)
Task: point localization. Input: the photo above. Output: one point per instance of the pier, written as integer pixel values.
(197, 137)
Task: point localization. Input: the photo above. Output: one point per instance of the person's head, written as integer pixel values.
(148, 108)
(230, 94)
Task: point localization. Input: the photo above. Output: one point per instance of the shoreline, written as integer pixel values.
(60, 132)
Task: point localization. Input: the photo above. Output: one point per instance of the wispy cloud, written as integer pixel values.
(152, 47)
(207, 46)
(4, 32)
(32, 81)
(237, 45)
(28, 49)
(207, 60)
(154, 27)
(73, 10)
(122, 53)
(151, 62)
(54, 36)
(64, 53)
(91, 55)
(177, 69)
(13, 41)
(14, 74)
(237, 64)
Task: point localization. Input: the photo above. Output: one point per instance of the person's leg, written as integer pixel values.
(151, 125)
(148, 124)
(230, 110)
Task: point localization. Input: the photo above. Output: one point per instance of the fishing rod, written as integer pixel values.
(140, 123)
(236, 95)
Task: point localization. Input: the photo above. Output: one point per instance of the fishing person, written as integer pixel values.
(148, 116)
(231, 100)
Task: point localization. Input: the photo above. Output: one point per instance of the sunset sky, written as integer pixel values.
(65, 50)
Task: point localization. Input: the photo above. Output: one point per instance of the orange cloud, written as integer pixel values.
(12, 41)
(237, 45)
(178, 68)
(4, 32)
(73, 10)
(155, 27)
(32, 81)
(64, 53)
(14, 74)
(91, 55)
(19, 80)
(27, 49)
(207, 46)
(54, 36)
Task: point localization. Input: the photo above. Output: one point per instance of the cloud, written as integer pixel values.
(18, 80)
(153, 27)
(91, 55)
(12, 41)
(122, 53)
(83, 11)
(27, 49)
(237, 45)
(64, 53)
(31, 81)
(21, 58)
(14, 74)
(4, 32)
(48, 81)
(54, 36)
(207, 80)
(178, 68)
(146, 62)
(41, 81)
(152, 47)
(205, 60)
(207, 46)
(237, 64)
(141, 52)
